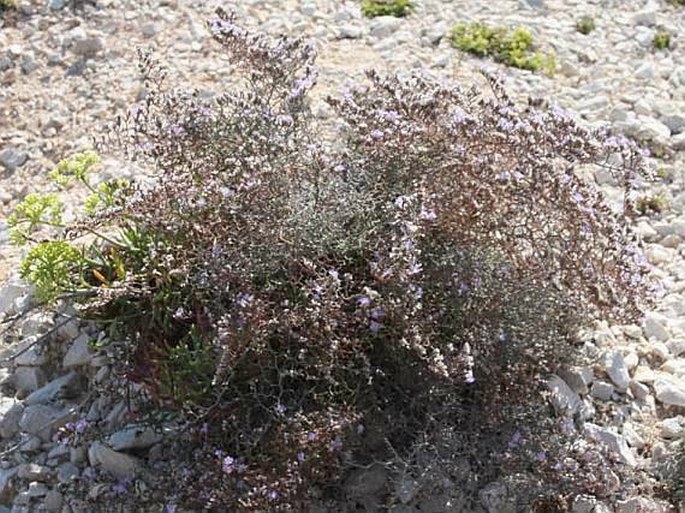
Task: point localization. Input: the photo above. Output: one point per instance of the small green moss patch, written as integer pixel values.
(397, 8)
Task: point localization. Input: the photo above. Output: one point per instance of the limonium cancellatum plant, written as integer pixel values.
(313, 307)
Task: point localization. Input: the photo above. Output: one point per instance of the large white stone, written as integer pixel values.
(59, 387)
(615, 366)
(133, 437)
(673, 427)
(565, 401)
(614, 441)
(655, 327)
(118, 464)
(670, 391)
(79, 352)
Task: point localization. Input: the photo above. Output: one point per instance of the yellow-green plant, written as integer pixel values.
(511, 48)
(662, 40)
(397, 8)
(58, 266)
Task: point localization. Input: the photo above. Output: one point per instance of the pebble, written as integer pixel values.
(670, 391)
(673, 427)
(12, 159)
(615, 367)
(602, 390)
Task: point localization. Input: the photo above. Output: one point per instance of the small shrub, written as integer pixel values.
(662, 40)
(397, 8)
(311, 308)
(513, 49)
(6, 5)
(585, 25)
(652, 203)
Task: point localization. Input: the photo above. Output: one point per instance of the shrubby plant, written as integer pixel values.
(398, 8)
(513, 49)
(585, 25)
(312, 307)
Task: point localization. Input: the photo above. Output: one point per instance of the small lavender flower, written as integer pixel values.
(227, 465)
(515, 440)
(364, 301)
(81, 426)
(375, 327)
(121, 488)
(244, 299)
(377, 314)
(376, 134)
(300, 456)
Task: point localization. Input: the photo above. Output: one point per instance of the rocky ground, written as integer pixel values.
(67, 67)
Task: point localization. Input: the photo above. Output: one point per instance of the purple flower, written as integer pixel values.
(577, 197)
(377, 314)
(300, 456)
(515, 440)
(244, 299)
(541, 456)
(121, 488)
(177, 129)
(414, 268)
(428, 215)
(170, 508)
(81, 425)
(388, 115)
(469, 379)
(273, 495)
(375, 327)
(586, 229)
(312, 437)
(364, 301)
(280, 409)
(227, 465)
(376, 134)
(360, 429)
(284, 119)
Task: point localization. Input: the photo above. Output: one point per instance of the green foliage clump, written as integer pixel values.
(6, 5)
(397, 8)
(513, 49)
(652, 203)
(34, 211)
(52, 267)
(662, 40)
(585, 25)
